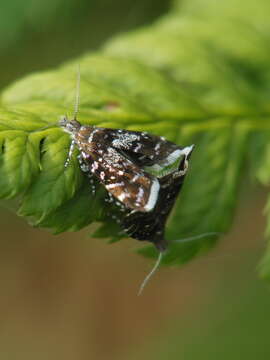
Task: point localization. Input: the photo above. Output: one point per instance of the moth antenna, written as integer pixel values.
(77, 97)
(196, 237)
(151, 273)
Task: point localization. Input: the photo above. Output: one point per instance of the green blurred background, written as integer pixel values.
(72, 297)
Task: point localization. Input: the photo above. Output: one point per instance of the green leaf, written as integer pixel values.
(177, 78)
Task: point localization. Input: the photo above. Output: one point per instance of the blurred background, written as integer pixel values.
(73, 297)
(37, 34)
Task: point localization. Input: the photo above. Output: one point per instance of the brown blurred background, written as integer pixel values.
(73, 297)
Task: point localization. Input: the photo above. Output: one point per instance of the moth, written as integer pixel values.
(142, 173)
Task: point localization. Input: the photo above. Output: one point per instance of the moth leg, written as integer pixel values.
(93, 186)
(109, 198)
(83, 165)
(86, 168)
(71, 149)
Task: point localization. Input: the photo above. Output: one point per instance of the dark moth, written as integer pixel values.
(142, 172)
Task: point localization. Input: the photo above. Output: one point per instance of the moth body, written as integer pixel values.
(143, 172)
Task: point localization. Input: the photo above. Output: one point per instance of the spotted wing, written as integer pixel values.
(126, 181)
(125, 163)
(149, 148)
(154, 154)
(151, 226)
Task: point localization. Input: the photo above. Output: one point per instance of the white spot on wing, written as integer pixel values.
(122, 196)
(135, 178)
(140, 194)
(152, 196)
(138, 147)
(111, 186)
(94, 166)
(124, 140)
(90, 139)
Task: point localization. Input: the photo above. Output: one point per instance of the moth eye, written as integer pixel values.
(63, 121)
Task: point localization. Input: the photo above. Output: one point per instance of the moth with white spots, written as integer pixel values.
(143, 172)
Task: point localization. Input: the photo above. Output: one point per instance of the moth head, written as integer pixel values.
(71, 127)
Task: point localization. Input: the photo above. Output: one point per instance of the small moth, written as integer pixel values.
(142, 173)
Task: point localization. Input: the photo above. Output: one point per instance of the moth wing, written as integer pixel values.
(146, 227)
(151, 226)
(155, 154)
(150, 146)
(126, 181)
(140, 196)
(121, 176)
